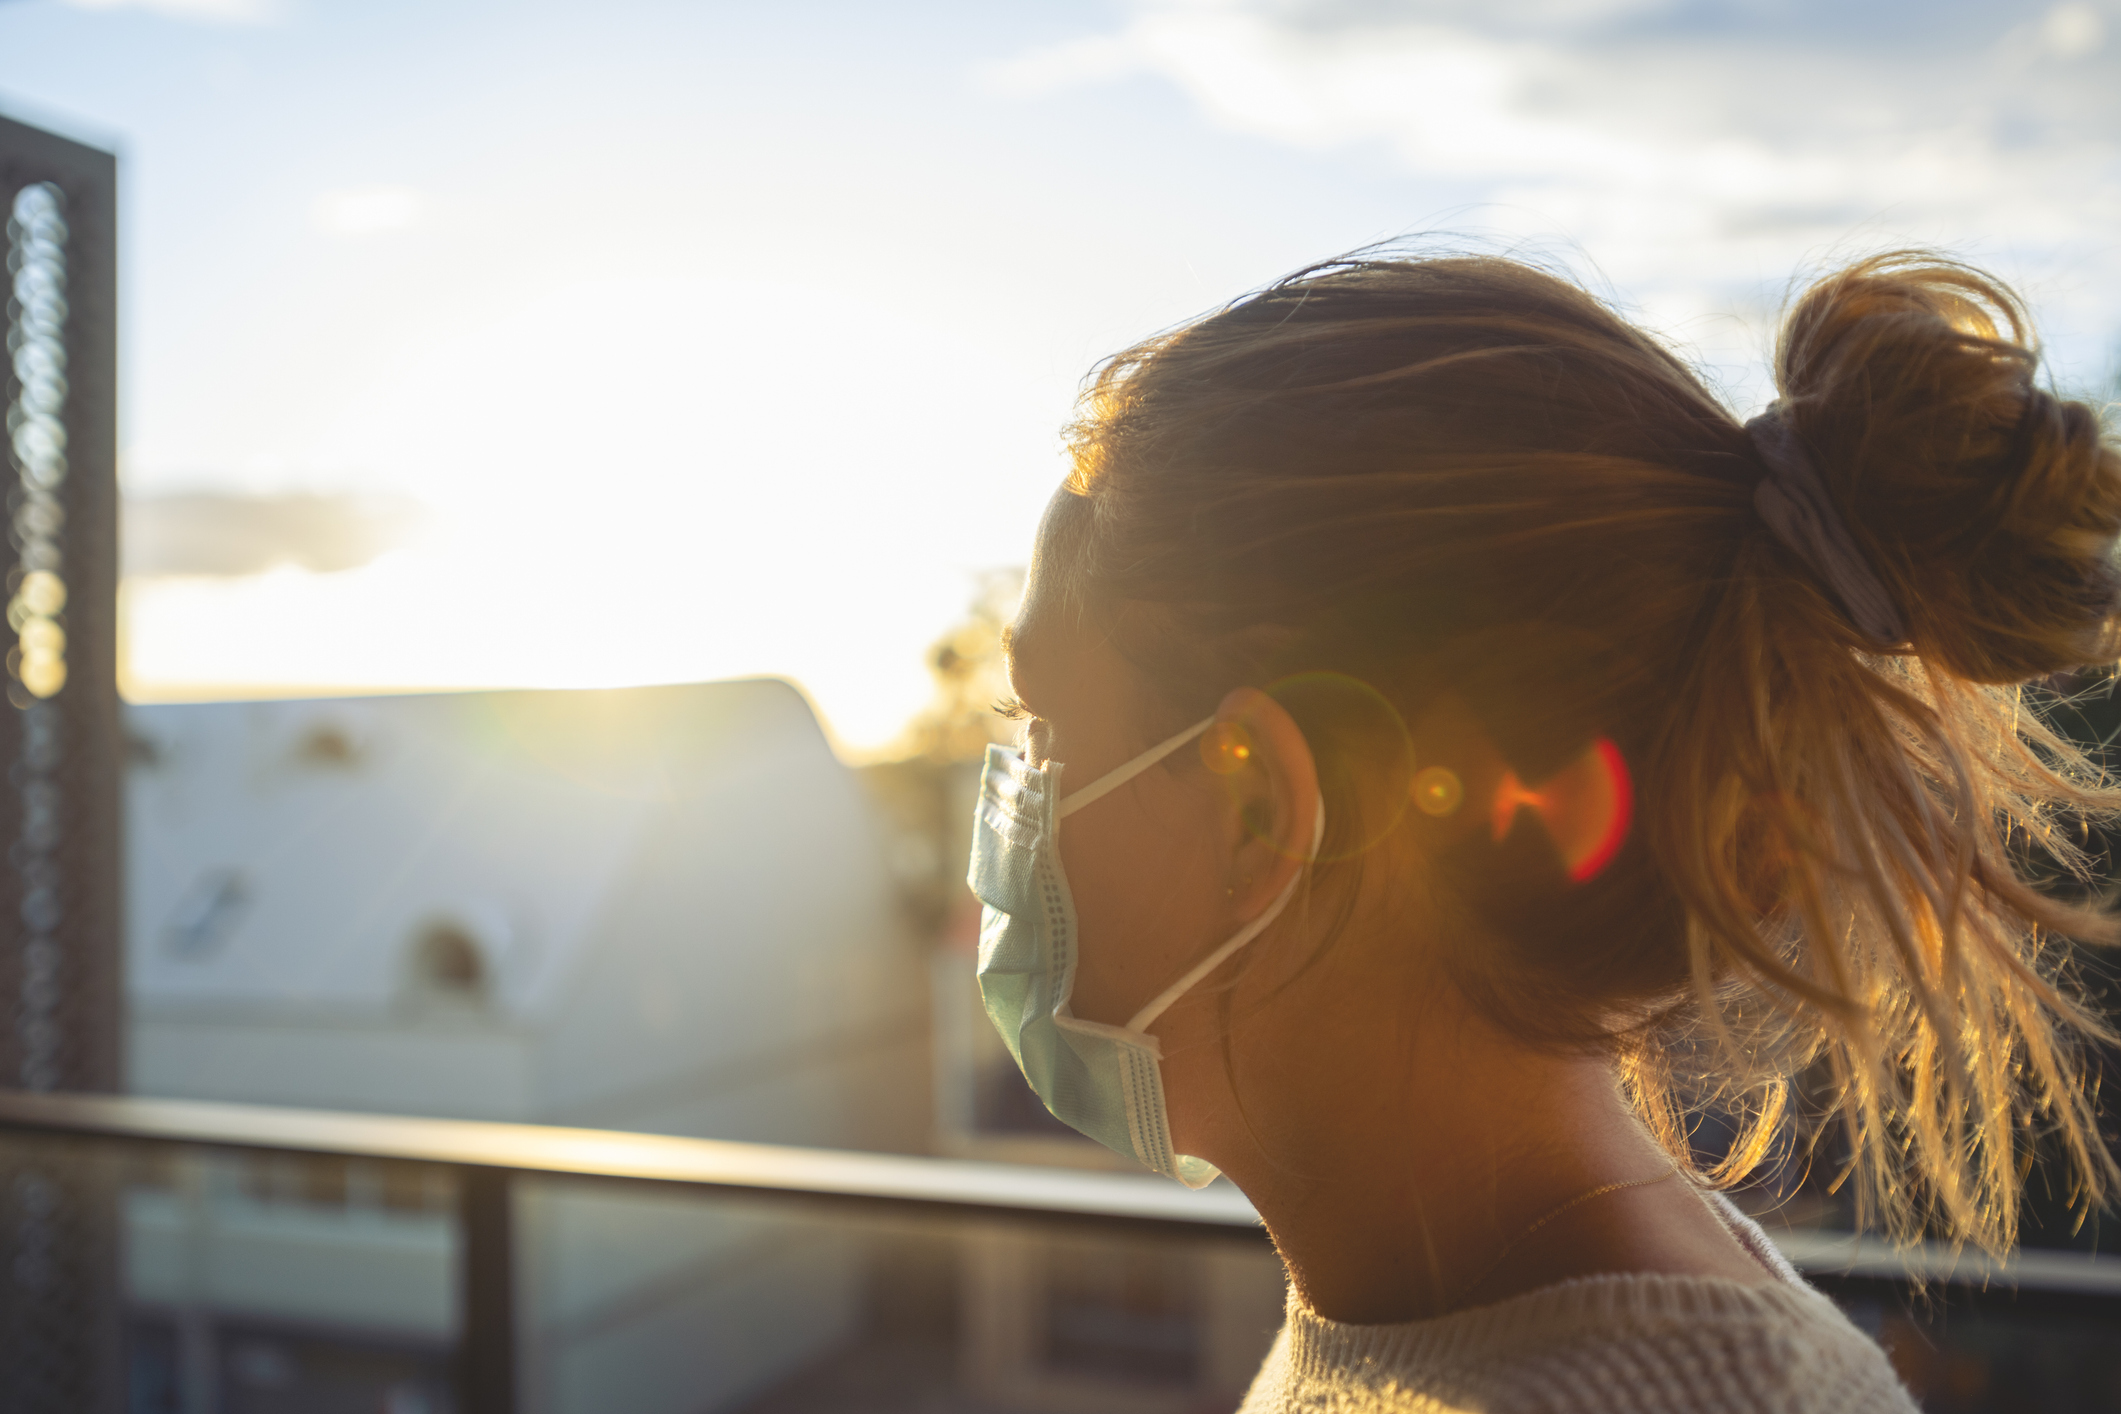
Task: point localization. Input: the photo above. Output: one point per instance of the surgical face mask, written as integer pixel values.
(1105, 1081)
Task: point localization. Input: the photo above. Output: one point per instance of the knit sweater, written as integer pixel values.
(1623, 1344)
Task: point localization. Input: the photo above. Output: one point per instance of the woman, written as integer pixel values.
(1481, 753)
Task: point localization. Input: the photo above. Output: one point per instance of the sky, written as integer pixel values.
(723, 339)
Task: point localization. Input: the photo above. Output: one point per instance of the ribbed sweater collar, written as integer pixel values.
(1319, 1348)
(1325, 1350)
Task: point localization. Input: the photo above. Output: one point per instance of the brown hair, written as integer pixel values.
(1464, 475)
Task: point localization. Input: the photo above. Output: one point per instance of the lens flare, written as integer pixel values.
(1586, 808)
(1225, 748)
(1438, 791)
(1364, 756)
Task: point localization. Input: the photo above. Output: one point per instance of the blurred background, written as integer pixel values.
(572, 462)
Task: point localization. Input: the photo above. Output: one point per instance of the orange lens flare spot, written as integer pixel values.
(1586, 808)
(1438, 791)
(1225, 748)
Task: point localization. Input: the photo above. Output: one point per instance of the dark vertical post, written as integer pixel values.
(486, 1340)
(61, 738)
(61, 1019)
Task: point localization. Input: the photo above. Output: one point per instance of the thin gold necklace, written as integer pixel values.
(1585, 1197)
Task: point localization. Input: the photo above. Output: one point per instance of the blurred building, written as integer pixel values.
(666, 909)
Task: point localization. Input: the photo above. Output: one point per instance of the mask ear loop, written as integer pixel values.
(1118, 776)
(1146, 1017)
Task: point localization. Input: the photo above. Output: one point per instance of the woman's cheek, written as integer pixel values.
(1100, 916)
(1124, 911)
(1141, 918)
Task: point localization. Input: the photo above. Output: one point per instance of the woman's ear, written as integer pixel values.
(1265, 763)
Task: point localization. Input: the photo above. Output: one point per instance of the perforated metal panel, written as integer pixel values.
(60, 737)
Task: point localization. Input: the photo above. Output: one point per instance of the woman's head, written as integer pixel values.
(1457, 510)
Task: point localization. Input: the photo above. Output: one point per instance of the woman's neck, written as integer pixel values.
(1399, 1167)
(1405, 1224)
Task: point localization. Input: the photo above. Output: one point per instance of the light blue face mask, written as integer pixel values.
(1105, 1081)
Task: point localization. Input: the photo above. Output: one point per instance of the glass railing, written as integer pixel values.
(187, 1258)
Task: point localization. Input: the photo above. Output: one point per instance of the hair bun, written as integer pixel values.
(1988, 507)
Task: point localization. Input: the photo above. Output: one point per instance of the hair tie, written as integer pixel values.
(1792, 498)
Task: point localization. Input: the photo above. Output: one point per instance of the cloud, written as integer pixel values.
(229, 12)
(366, 211)
(217, 533)
(1693, 150)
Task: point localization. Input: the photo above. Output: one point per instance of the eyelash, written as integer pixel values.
(1010, 709)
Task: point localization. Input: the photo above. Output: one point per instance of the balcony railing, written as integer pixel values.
(530, 1267)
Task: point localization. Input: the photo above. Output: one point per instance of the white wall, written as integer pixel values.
(677, 895)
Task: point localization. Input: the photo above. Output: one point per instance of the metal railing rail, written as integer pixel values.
(489, 1156)
(949, 1185)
